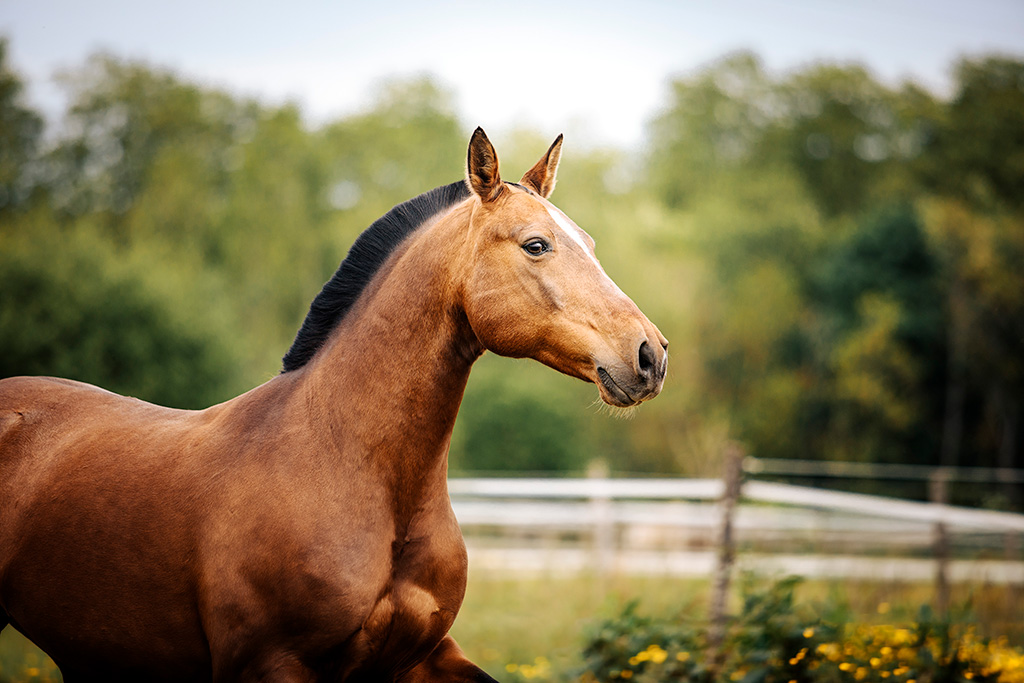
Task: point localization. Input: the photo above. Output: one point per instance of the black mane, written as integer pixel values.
(366, 256)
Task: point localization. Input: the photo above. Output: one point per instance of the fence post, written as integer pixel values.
(938, 493)
(732, 481)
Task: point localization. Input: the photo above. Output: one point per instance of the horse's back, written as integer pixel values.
(35, 408)
(89, 530)
(65, 443)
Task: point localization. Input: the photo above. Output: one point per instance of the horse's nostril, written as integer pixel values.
(647, 359)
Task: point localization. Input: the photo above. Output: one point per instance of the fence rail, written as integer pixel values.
(671, 526)
(866, 470)
(510, 489)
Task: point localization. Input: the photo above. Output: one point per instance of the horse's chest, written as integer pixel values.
(417, 604)
(411, 591)
(406, 619)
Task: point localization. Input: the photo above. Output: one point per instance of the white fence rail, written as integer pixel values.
(667, 526)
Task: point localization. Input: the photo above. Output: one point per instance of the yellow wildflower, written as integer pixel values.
(657, 655)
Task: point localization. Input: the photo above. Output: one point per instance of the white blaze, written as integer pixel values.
(571, 230)
(576, 235)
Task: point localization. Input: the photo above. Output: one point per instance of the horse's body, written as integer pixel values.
(303, 531)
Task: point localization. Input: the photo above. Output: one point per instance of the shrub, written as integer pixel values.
(776, 639)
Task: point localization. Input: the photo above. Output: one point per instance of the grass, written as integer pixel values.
(509, 620)
(20, 660)
(515, 621)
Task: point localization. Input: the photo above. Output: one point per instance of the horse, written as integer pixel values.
(303, 531)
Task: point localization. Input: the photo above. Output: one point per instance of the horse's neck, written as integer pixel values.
(390, 379)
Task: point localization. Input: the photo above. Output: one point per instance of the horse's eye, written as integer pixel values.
(536, 247)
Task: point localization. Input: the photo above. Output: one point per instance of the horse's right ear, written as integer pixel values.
(482, 167)
(541, 178)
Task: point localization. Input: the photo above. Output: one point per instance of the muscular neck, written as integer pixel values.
(390, 379)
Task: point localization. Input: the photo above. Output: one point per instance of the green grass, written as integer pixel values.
(21, 661)
(508, 621)
(516, 621)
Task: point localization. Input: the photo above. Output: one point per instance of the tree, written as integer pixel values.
(879, 300)
(70, 310)
(977, 151)
(714, 127)
(975, 164)
(982, 257)
(851, 139)
(20, 132)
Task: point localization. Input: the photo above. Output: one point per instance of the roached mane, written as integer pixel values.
(364, 259)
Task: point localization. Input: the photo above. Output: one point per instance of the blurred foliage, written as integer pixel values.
(836, 261)
(20, 132)
(69, 309)
(776, 638)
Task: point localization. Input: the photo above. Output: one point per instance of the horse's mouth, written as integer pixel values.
(618, 395)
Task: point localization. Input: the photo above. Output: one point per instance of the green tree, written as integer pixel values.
(714, 129)
(20, 132)
(853, 140)
(976, 152)
(982, 257)
(881, 346)
(505, 427)
(225, 190)
(975, 163)
(124, 116)
(69, 309)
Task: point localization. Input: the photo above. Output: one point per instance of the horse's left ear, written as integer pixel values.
(482, 167)
(541, 178)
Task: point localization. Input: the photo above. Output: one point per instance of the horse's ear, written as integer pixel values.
(482, 167)
(541, 178)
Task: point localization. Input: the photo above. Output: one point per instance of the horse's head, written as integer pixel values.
(535, 289)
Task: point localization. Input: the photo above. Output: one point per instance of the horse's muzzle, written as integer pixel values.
(624, 386)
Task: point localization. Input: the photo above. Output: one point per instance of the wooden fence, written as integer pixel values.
(683, 527)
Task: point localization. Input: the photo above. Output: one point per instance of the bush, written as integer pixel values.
(776, 639)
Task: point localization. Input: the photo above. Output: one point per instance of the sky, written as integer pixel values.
(592, 69)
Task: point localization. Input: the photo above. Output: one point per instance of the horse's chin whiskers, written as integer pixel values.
(624, 412)
(618, 412)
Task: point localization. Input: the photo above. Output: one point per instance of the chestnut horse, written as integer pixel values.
(303, 531)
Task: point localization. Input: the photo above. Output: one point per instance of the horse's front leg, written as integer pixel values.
(446, 663)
